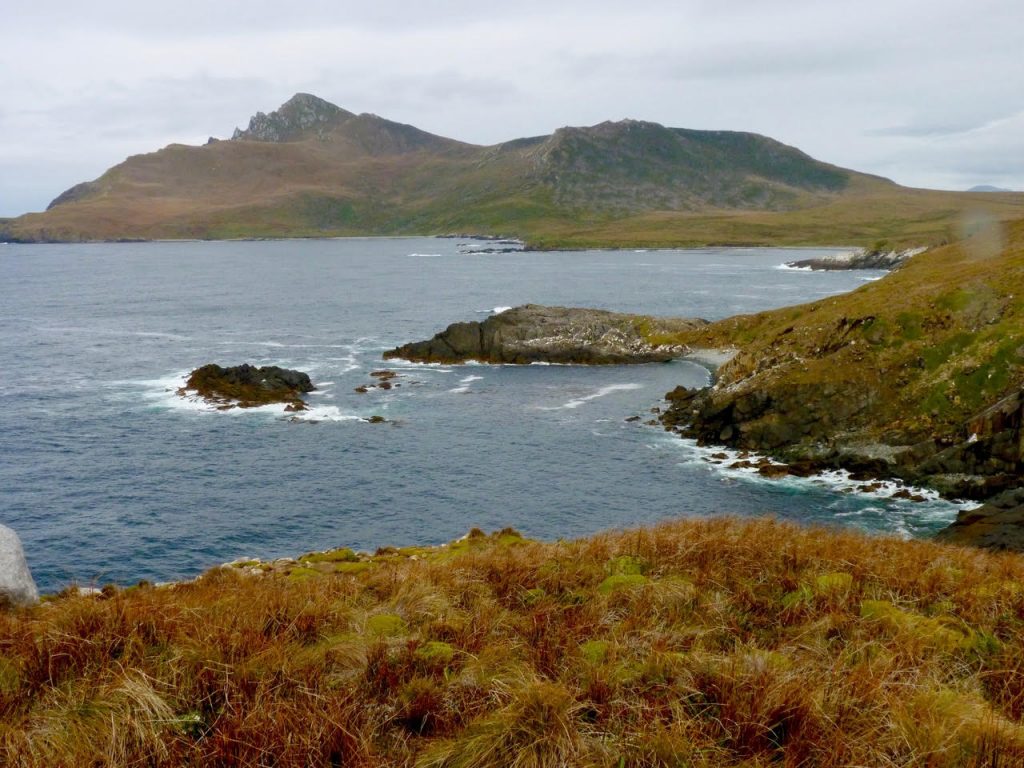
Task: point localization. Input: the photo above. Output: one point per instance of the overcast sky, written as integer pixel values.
(927, 93)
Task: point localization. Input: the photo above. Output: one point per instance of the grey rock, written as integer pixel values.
(534, 333)
(16, 584)
(862, 259)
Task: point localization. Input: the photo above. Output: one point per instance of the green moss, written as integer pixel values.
(534, 596)
(955, 301)
(910, 325)
(386, 625)
(435, 653)
(626, 565)
(621, 581)
(595, 651)
(301, 574)
(832, 583)
(944, 633)
(343, 555)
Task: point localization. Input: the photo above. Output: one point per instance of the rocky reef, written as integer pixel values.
(246, 386)
(536, 334)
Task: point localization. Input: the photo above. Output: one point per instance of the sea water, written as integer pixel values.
(107, 474)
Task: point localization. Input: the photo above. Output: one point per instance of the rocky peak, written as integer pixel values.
(301, 116)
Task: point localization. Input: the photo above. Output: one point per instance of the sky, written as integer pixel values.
(929, 94)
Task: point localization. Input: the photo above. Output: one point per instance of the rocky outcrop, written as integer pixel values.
(535, 334)
(297, 118)
(998, 524)
(246, 386)
(862, 259)
(16, 584)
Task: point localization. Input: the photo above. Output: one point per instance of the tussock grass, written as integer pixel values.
(721, 642)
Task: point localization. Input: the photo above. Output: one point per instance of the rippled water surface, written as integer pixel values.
(107, 475)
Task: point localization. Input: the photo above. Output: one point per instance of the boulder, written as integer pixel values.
(534, 333)
(16, 584)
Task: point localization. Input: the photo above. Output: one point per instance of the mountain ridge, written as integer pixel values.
(311, 168)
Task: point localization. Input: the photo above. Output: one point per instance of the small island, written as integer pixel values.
(246, 386)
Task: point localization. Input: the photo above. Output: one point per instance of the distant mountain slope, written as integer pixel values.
(988, 188)
(311, 168)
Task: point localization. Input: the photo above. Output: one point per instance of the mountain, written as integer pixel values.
(988, 188)
(311, 168)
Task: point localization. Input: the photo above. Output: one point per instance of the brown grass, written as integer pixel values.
(697, 643)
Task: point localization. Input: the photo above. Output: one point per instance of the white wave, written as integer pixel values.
(602, 392)
(930, 503)
(868, 279)
(424, 256)
(792, 268)
(499, 310)
(464, 383)
(323, 413)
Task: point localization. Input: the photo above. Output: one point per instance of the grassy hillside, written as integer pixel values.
(312, 169)
(700, 643)
(901, 369)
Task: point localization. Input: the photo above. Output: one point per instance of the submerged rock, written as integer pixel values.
(247, 386)
(17, 586)
(539, 334)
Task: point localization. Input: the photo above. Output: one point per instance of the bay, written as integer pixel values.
(107, 475)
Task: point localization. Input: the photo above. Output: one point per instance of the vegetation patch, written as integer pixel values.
(499, 653)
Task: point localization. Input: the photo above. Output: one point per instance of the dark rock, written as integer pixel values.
(247, 386)
(376, 420)
(633, 418)
(773, 471)
(362, 389)
(999, 524)
(534, 333)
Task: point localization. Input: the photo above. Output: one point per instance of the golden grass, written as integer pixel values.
(736, 643)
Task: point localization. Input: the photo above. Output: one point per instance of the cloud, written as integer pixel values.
(915, 90)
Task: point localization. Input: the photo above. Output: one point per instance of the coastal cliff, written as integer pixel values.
(918, 376)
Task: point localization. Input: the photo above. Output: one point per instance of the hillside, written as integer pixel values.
(311, 168)
(917, 375)
(698, 643)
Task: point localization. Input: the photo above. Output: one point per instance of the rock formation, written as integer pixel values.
(534, 334)
(247, 386)
(16, 584)
(866, 258)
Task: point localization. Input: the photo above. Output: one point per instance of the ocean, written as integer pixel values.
(109, 476)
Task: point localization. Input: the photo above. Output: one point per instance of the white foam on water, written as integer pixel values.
(464, 383)
(602, 392)
(792, 268)
(424, 255)
(868, 279)
(930, 507)
(499, 310)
